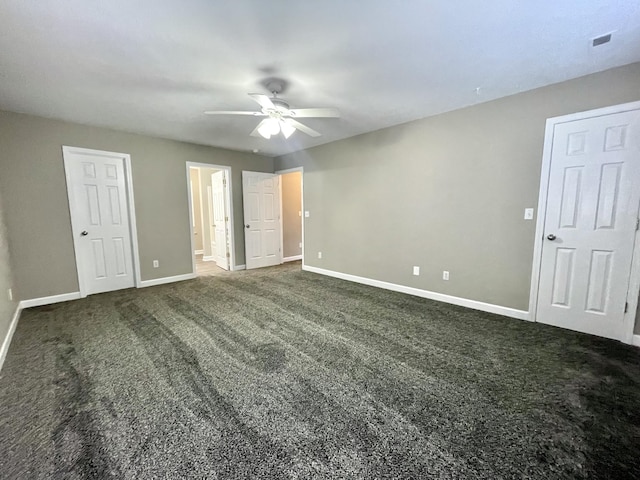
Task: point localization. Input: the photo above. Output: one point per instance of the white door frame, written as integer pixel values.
(284, 172)
(68, 150)
(634, 280)
(232, 245)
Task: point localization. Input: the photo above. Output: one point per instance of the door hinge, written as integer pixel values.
(224, 182)
(226, 219)
(228, 255)
(637, 224)
(626, 307)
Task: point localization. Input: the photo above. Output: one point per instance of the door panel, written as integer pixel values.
(563, 276)
(99, 262)
(261, 197)
(570, 197)
(592, 210)
(100, 221)
(120, 252)
(599, 281)
(220, 218)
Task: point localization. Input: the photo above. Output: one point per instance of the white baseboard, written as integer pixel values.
(463, 302)
(208, 259)
(292, 259)
(161, 281)
(636, 340)
(238, 267)
(38, 302)
(198, 252)
(7, 340)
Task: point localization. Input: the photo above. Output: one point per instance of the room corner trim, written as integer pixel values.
(238, 267)
(199, 252)
(462, 302)
(161, 281)
(291, 259)
(208, 258)
(636, 340)
(7, 340)
(37, 302)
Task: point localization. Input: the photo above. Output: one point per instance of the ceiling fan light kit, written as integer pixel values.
(280, 116)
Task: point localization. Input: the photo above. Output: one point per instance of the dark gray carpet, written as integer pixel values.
(283, 374)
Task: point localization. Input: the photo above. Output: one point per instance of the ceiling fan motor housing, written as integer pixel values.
(275, 85)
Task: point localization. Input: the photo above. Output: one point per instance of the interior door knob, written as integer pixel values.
(84, 233)
(551, 237)
(247, 225)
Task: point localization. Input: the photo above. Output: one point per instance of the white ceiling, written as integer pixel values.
(153, 66)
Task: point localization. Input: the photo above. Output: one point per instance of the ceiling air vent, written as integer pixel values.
(601, 40)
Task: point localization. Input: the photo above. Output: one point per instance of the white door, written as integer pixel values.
(97, 190)
(261, 199)
(590, 224)
(220, 218)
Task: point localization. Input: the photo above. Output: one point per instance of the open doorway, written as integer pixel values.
(210, 218)
(292, 214)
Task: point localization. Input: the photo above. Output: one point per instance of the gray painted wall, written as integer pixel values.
(37, 212)
(7, 308)
(444, 193)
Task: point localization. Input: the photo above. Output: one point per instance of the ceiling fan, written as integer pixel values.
(280, 118)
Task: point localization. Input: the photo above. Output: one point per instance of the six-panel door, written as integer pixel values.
(590, 223)
(100, 221)
(261, 197)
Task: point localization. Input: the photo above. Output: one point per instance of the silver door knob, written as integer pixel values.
(551, 237)
(84, 233)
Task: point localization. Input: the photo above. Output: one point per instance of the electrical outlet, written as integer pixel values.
(445, 275)
(319, 254)
(416, 271)
(299, 213)
(307, 214)
(156, 264)
(10, 294)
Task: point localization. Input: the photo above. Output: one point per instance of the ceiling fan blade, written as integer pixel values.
(263, 100)
(255, 132)
(230, 112)
(303, 128)
(315, 112)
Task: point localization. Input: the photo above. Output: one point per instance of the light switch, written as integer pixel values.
(528, 213)
(306, 213)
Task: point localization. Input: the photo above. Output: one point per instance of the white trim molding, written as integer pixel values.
(162, 280)
(236, 268)
(208, 258)
(38, 302)
(7, 339)
(198, 252)
(462, 302)
(292, 259)
(636, 340)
